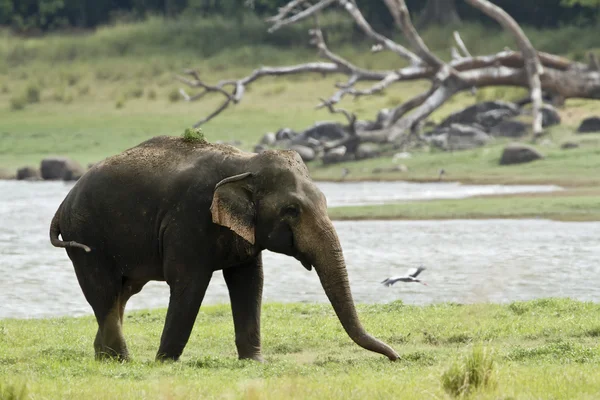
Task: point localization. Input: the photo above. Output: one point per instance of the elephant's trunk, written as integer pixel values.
(329, 263)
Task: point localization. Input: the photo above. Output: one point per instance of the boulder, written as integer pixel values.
(259, 148)
(510, 128)
(285, 133)
(492, 118)
(589, 125)
(61, 168)
(325, 131)
(516, 153)
(550, 116)
(569, 145)
(367, 150)
(470, 114)
(306, 153)
(268, 139)
(28, 174)
(336, 155)
(460, 137)
(5, 174)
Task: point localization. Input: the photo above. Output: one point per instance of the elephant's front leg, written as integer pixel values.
(245, 284)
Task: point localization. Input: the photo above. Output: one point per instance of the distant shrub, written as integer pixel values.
(135, 92)
(33, 94)
(103, 74)
(475, 370)
(174, 95)
(120, 103)
(5, 88)
(152, 94)
(18, 102)
(72, 78)
(68, 98)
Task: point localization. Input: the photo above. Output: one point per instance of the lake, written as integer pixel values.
(467, 261)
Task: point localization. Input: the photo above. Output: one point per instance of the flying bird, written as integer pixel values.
(411, 276)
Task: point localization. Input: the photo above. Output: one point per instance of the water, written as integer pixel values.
(468, 261)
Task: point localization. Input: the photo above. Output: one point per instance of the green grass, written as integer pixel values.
(562, 206)
(546, 348)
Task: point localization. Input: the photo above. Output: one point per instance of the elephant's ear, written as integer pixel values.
(232, 206)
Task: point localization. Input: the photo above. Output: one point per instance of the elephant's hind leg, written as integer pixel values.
(245, 284)
(101, 283)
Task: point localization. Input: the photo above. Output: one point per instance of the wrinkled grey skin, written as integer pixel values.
(169, 210)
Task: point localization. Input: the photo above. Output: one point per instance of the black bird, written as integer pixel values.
(411, 276)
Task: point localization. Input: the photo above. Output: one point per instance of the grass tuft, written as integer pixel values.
(193, 135)
(474, 371)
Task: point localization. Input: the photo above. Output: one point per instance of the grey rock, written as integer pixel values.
(306, 153)
(367, 150)
(492, 118)
(469, 115)
(61, 168)
(510, 128)
(395, 168)
(268, 139)
(336, 155)
(285, 133)
(550, 116)
(460, 137)
(516, 153)
(325, 131)
(28, 173)
(259, 148)
(589, 125)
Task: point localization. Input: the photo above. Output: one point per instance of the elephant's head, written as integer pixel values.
(276, 206)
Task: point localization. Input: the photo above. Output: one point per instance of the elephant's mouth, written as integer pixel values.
(304, 261)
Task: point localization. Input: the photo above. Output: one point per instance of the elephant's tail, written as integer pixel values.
(56, 242)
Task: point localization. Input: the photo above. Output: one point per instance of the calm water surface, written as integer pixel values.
(468, 261)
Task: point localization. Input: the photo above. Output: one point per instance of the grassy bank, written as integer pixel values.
(541, 349)
(572, 205)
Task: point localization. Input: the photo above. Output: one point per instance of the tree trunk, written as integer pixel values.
(439, 12)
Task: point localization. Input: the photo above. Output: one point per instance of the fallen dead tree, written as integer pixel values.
(546, 76)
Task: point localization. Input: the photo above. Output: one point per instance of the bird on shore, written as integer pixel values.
(411, 276)
(345, 172)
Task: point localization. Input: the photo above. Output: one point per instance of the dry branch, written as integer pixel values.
(527, 68)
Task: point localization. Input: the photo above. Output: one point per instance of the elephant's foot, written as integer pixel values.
(255, 356)
(108, 354)
(162, 357)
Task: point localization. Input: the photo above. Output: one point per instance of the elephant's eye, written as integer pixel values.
(291, 211)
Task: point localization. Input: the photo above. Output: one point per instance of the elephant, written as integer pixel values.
(176, 210)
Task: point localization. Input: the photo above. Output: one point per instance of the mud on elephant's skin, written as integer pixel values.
(175, 211)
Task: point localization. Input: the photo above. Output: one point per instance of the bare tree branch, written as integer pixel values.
(461, 45)
(282, 19)
(401, 16)
(533, 65)
(354, 11)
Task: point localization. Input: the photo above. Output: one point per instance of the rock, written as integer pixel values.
(325, 131)
(589, 125)
(470, 114)
(569, 145)
(303, 141)
(259, 148)
(268, 139)
(511, 129)
(306, 153)
(395, 168)
(367, 150)
(550, 116)
(460, 137)
(516, 153)
(28, 174)
(61, 168)
(492, 118)
(285, 133)
(336, 155)
(5, 174)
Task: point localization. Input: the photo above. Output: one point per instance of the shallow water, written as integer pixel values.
(467, 261)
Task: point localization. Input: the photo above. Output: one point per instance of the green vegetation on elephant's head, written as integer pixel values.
(193, 135)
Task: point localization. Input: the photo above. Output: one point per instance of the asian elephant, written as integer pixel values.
(176, 211)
